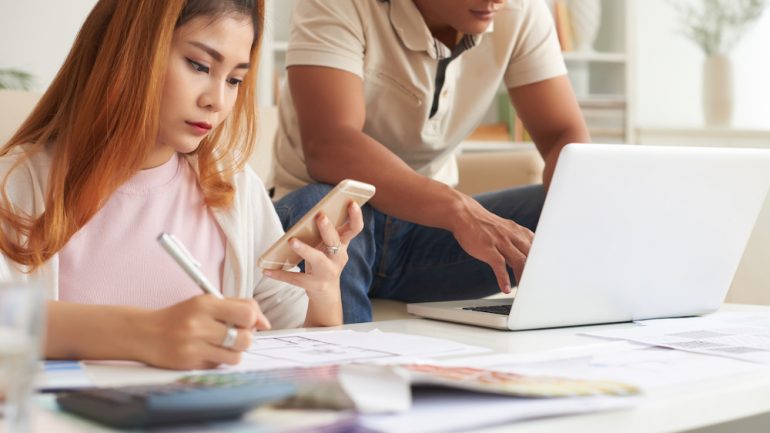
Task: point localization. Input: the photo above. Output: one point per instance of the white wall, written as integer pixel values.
(36, 35)
(752, 75)
(668, 71)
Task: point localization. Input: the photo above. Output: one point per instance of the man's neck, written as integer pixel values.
(448, 36)
(440, 30)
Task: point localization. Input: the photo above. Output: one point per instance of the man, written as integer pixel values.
(383, 92)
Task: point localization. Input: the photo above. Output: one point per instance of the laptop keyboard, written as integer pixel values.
(494, 309)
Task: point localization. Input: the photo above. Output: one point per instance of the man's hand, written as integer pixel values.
(493, 240)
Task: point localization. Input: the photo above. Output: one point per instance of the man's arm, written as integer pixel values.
(331, 111)
(549, 111)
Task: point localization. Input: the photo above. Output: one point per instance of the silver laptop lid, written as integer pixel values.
(632, 232)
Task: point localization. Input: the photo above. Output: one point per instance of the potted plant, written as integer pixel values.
(716, 26)
(15, 79)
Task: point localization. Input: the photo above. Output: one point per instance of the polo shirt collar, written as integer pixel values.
(410, 27)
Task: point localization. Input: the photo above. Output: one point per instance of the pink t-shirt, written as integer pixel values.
(115, 258)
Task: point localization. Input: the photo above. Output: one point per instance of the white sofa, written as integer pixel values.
(478, 172)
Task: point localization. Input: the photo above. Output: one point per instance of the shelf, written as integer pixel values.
(472, 146)
(607, 100)
(706, 131)
(618, 132)
(490, 132)
(704, 136)
(594, 56)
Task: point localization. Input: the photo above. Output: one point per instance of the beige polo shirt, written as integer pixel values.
(389, 46)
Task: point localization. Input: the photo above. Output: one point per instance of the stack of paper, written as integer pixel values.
(744, 336)
(514, 384)
(346, 346)
(445, 410)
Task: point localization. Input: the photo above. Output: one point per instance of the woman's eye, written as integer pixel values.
(198, 67)
(235, 82)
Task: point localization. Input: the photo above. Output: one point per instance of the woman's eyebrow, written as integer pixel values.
(216, 55)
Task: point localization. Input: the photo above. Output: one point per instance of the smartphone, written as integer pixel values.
(334, 205)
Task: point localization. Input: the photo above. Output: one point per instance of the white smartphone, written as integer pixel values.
(334, 205)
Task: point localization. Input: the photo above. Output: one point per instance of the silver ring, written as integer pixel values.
(230, 337)
(332, 249)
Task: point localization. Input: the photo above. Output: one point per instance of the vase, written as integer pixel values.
(586, 16)
(717, 90)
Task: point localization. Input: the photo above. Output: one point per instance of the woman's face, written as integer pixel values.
(207, 63)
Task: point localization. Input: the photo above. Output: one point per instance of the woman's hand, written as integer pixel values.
(190, 335)
(323, 265)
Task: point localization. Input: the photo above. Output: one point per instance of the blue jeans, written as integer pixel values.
(397, 259)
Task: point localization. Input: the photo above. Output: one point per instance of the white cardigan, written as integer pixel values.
(250, 226)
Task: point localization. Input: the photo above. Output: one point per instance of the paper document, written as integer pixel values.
(442, 410)
(345, 346)
(376, 389)
(736, 318)
(744, 336)
(640, 365)
(514, 384)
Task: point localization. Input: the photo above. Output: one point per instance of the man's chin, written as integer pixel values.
(475, 28)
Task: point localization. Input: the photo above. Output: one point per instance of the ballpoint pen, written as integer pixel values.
(187, 262)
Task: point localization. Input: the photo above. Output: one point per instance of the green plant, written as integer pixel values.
(715, 26)
(15, 79)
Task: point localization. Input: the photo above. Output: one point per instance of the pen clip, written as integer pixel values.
(180, 246)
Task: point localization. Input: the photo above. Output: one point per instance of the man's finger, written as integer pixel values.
(514, 258)
(501, 273)
(521, 238)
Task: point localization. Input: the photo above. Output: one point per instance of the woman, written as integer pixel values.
(146, 129)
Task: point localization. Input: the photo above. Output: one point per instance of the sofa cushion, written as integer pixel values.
(490, 171)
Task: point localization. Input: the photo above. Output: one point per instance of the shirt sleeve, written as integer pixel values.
(25, 189)
(20, 194)
(327, 33)
(284, 305)
(536, 55)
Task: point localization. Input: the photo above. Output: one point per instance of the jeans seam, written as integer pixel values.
(385, 247)
(380, 274)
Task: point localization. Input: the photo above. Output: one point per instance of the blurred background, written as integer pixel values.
(639, 77)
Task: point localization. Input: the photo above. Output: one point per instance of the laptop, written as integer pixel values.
(630, 232)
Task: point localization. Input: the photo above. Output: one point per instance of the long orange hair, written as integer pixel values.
(99, 119)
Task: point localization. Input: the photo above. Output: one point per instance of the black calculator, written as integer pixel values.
(194, 398)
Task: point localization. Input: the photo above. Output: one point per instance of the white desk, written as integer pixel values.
(676, 408)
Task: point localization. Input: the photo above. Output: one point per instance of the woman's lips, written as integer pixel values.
(200, 128)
